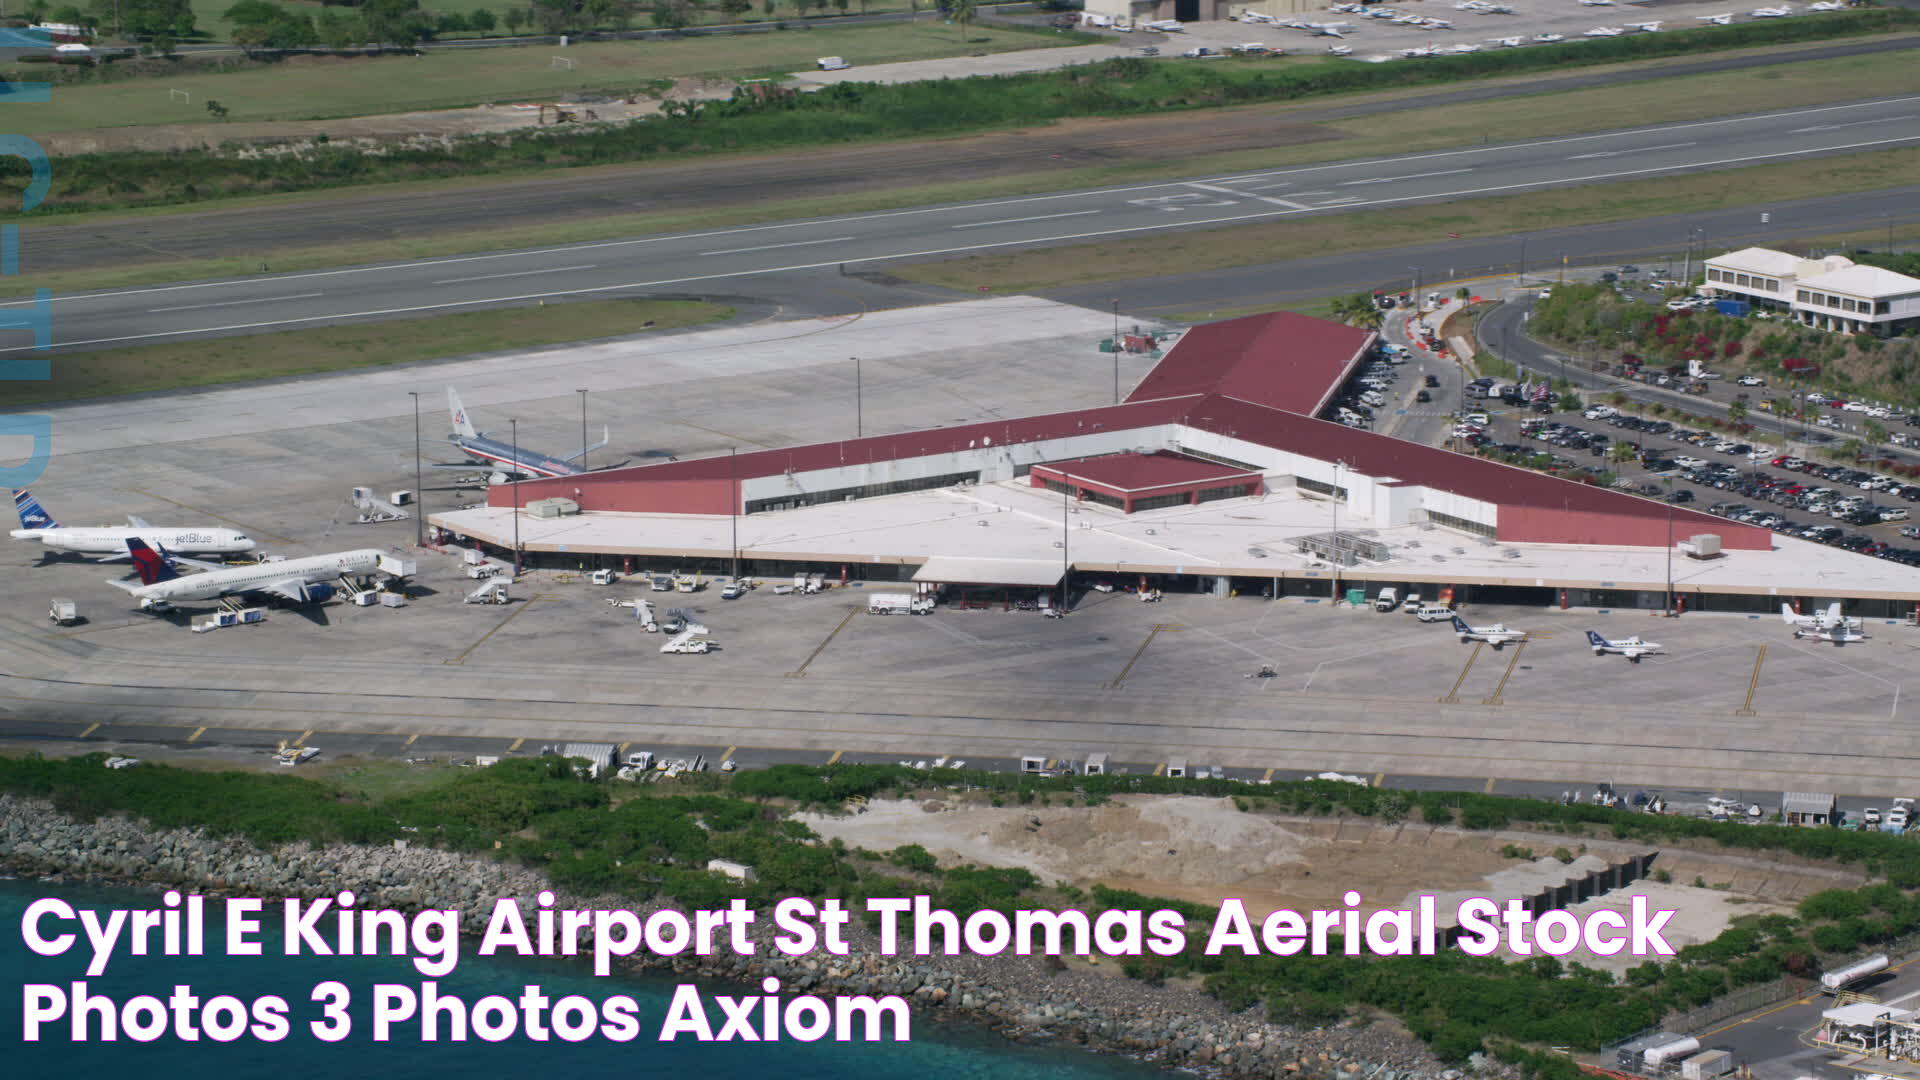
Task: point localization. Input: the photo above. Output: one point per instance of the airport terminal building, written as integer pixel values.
(1213, 475)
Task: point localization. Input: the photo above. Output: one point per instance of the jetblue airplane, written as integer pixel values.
(108, 542)
(507, 461)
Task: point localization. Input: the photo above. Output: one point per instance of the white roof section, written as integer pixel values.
(1758, 260)
(970, 570)
(1867, 281)
(1249, 537)
(1863, 1014)
(1806, 802)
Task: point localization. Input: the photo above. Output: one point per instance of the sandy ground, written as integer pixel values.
(1184, 848)
(1203, 850)
(486, 119)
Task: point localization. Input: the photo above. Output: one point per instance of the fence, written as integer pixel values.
(1744, 1000)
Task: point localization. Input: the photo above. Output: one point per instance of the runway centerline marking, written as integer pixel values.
(1633, 150)
(1276, 200)
(235, 303)
(1409, 176)
(770, 247)
(517, 273)
(1017, 220)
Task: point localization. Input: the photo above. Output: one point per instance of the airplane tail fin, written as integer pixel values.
(1460, 624)
(461, 425)
(31, 514)
(1786, 614)
(1833, 613)
(1595, 640)
(151, 563)
(606, 436)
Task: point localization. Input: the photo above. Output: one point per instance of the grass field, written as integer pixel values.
(207, 362)
(323, 87)
(1254, 244)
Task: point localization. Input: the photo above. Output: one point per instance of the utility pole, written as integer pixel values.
(1416, 288)
(1668, 480)
(419, 510)
(1520, 275)
(859, 420)
(1116, 352)
(583, 429)
(515, 424)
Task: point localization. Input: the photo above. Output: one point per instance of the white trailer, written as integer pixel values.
(1839, 979)
(1388, 599)
(898, 604)
(816, 583)
(63, 611)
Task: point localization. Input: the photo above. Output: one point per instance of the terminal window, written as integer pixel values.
(1460, 523)
(798, 499)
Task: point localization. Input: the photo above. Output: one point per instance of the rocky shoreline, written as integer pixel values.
(1027, 998)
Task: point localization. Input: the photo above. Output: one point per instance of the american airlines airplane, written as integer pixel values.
(109, 543)
(509, 462)
(304, 581)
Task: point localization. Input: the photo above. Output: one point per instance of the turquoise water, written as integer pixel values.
(939, 1051)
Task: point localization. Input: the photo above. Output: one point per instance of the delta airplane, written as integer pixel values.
(303, 581)
(509, 462)
(109, 544)
(1830, 619)
(1632, 648)
(1495, 635)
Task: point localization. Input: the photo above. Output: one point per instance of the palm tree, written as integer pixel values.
(1737, 411)
(962, 12)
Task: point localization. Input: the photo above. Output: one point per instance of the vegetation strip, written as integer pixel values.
(211, 361)
(848, 112)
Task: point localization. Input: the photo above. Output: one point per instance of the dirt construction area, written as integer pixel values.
(1205, 850)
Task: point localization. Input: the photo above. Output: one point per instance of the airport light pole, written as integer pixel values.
(1520, 275)
(419, 511)
(859, 421)
(1116, 350)
(1337, 465)
(733, 468)
(583, 429)
(1066, 532)
(514, 423)
(1668, 480)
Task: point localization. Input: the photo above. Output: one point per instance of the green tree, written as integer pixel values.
(1737, 411)
(1876, 433)
(736, 8)
(962, 13)
(515, 19)
(482, 21)
(1620, 452)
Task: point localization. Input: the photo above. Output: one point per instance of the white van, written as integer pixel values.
(832, 63)
(1433, 613)
(1388, 599)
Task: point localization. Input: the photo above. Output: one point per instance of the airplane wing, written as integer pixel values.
(137, 522)
(294, 589)
(198, 564)
(130, 586)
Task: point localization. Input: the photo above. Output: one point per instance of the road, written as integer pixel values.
(695, 260)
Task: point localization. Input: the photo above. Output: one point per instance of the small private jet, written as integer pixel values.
(1827, 5)
(1780, 12)
(1605, 31)
(1645, 27)
(1839, 635)
(1721, 19)
(1495, 635)
(1548, 39)
(1632, 648)
(1340, 50)
(1505, 42)
(1830, 619)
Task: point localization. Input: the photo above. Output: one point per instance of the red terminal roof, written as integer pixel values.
(1141, 472)
(1263, 377)
(1283, 360)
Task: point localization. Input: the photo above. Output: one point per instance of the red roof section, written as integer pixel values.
(1282, 360)
(1138, 472)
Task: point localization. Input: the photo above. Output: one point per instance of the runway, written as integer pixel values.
(689, 262)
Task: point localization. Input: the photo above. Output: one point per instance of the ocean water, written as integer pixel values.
(939, 1051)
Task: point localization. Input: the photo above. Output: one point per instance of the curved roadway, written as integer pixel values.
(687, 260)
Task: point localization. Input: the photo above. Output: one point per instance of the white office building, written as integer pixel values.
(1830, 293)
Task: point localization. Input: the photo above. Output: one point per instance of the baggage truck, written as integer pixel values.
(898, 604)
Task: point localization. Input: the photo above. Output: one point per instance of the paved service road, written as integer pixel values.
(687, 260)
